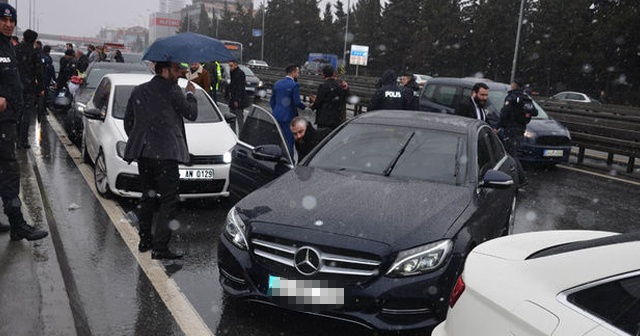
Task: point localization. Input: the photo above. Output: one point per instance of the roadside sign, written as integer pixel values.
(359, 55)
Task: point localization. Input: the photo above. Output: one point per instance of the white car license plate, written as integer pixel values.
(314, 292)
(553, 153)
(196, 174)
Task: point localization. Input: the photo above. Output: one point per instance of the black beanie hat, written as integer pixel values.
(6, 10)
(30, 35)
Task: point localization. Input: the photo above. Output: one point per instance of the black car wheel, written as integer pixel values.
(100, 176)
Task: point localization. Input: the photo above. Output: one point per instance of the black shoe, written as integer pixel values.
(4, 228)
(28, 232)
(165, 254)
(145, 245)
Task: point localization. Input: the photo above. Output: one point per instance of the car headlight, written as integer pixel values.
(235, 230)
(529, 134)
(226, 157)
(260, 84)
(80, 107)
(420, 260)
(120, 146)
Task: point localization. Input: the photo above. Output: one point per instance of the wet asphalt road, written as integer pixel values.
(111, 295)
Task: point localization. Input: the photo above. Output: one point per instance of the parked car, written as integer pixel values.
(375, 221)
(96, 70)
(55, 57)
(546, 140)
(314, 67)
(255, 87)
(549, 283)
(209, 139)
(576, 97)
(257, 64)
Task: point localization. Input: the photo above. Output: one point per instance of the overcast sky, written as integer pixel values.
(86, 17)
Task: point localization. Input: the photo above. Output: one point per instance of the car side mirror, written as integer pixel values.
(496, 179)
(94, 113)
(272, 153)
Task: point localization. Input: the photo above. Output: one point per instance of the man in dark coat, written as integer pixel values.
(411, 89)
(473, 107)
(10, 106)
(306, 137)
(328, 101)
(389, 96)
(48, 77)
(157, 141)
(30, 68)
(82, 61)
(237, 93)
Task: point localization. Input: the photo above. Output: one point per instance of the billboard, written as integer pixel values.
(359, 55)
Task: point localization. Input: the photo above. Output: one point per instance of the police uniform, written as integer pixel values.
(11, 90)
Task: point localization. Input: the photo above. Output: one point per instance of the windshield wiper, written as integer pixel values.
(387, 171)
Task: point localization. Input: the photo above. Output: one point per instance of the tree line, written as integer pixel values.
(578, 45)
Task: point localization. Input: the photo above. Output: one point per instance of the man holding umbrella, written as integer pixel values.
(157, 141)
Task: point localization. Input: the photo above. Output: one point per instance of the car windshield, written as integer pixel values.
(96, 73)
(207, 113)
(395, 151)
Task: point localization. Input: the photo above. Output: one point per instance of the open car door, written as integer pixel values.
(261, 154)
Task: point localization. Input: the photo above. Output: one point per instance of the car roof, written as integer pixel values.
(136, 79)
(117, 65)
(419, 119)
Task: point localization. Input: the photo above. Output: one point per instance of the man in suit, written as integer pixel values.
(285, 98)
(153, 121)
(474, 106)
(237, 93)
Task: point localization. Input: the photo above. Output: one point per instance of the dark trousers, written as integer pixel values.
(25, 121)
(512, 139)
(239, 118)
(160, 181)
(10, 173)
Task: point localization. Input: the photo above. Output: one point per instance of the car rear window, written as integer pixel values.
(396, 151)
(617, 302)
(206, 111)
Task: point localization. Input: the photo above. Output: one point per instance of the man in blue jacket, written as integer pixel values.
(285, 98)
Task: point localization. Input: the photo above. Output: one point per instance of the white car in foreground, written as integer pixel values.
(209, 139)
(556, 283)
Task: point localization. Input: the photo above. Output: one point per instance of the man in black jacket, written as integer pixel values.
(237, 92)
(411, 89)
(30, 68)
(10, 106)
(328, 101)
(157, 141)
(389, 96)
(306, 137)
(473, 107)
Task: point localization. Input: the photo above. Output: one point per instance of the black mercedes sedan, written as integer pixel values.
(373, 226)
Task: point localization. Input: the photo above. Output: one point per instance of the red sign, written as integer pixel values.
(167, 22)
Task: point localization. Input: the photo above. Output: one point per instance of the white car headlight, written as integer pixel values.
(529, 135)
(226, 157)
(120, 146)
(420, 260)
(235, 230)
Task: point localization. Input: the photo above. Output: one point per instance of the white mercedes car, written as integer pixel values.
(209, 138)
(559, 283)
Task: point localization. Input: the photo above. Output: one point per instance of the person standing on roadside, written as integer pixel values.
(237, 93)
(327, 101)
(389, 96)
(30, 69)
(411, 89)
(284, 102)
(11, 102)
(516, 113)
(154, 124)
(473, 107)
(48, 78)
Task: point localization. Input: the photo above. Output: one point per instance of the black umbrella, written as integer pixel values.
(187, 48)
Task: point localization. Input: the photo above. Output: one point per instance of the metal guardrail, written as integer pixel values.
(612, 129)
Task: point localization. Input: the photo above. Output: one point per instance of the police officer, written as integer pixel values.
(389, 96)
(10, 107)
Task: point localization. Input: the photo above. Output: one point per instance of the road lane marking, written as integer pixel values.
(190, 322)
(598, 174)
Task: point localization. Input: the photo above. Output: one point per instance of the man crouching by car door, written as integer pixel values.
(153, 122)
